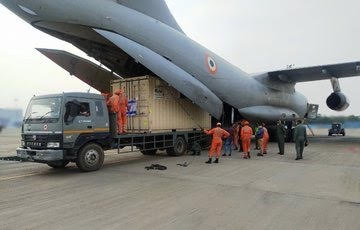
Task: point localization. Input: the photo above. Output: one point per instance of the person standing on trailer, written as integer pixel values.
(123, 108)
(216, 145)
(246, 134)
(113, 104)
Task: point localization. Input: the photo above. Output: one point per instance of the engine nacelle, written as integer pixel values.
(337, 101)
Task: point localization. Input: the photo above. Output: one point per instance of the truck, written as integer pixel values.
(77, 127)
(336, 129)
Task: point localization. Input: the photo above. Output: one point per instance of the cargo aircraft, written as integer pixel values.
(140, 37)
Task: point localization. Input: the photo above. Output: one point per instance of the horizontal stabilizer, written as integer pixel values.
(87, 71)
(170, 73)
(317, 73)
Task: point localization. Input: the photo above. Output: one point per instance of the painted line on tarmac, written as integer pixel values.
(18, 176)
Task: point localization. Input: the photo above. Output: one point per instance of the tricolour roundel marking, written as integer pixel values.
(211, 64)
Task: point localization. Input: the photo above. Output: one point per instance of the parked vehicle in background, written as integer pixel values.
(337, 129)
(1, 128)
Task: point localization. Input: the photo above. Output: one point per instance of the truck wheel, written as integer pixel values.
(180, 147)
(149, 152)
(58, 164)
(90, 158)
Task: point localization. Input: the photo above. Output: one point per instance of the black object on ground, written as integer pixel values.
(10, 158)
(156, 167)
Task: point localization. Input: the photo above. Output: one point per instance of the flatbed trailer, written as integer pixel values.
(175, 143)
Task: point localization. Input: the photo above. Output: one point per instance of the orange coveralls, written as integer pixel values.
(123, 108)
(216, 144)
(246, 134)
(107, 97)
(265, 141)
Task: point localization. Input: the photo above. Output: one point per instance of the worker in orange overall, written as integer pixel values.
(236, 128)
(218, 134)
(246, 134)
(107, 97)
(113, 105)
(123, 108)
(264, 140)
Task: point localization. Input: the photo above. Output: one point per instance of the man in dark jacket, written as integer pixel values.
(281, 131)
(300, 138)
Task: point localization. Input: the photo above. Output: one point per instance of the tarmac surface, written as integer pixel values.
(273, 192)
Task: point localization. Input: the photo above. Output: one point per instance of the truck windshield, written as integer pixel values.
(43, 108)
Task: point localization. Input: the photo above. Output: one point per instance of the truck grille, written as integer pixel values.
(40, 141)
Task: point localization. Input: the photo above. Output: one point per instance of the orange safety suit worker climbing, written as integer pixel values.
(123, 108)
(107, 97)
(113, 103)
(218, 134)
(246, 134)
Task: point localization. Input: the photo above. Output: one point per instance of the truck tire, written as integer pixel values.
(180, 147)
(58, 164)
(149, 152)
(90, 158)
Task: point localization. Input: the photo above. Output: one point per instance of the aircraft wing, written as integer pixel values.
(156, 9)
(186, 84)
(316, 73)
(90, 73)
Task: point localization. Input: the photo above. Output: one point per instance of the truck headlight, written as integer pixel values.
(53, 145)
(22, 143)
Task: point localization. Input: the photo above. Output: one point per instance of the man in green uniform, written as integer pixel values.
(300, 138)
(280, 131)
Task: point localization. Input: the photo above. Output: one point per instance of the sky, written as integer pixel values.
(255, 35)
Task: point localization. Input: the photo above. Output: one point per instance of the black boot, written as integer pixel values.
(216, 161)
(249, 155)
(209, 161)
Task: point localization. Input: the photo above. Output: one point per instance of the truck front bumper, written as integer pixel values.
(40, 155)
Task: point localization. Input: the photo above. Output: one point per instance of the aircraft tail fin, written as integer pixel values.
(157, 9)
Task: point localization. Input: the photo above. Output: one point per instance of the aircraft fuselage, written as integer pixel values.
(232, 85)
